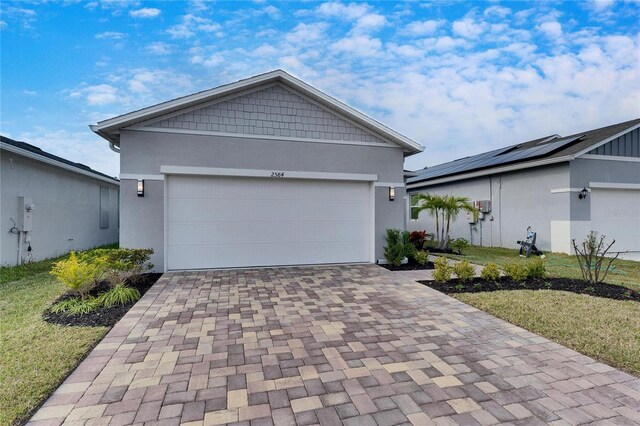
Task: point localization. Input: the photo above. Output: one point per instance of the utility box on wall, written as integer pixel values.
(25, 214)
(483, 206)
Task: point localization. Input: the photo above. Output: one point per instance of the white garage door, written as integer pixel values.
(616, 214)
(225, 222)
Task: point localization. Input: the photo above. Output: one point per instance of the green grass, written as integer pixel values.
(604, 329)
(624, 272)
(15, 273)
(35, 356)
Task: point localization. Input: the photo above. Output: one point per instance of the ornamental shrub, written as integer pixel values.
(516, 271)
(418, 239)
(76, 306)
(443, 270)
(459, 244)
(536, 269)
(464, 271)
(79, 275)
(120, 294)
(421, 257)
(490, 272)
(398, 246)
(121, 264)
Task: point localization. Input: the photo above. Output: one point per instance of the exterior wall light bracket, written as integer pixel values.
(392, 193)
(583, 194)
(140, 187)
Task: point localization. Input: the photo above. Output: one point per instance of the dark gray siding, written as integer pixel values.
(627, 145)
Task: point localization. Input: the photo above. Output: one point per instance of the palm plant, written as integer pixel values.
(444, 208)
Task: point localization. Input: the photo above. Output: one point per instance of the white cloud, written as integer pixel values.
(305, 33)
(361, 46)
(100, 94)
(29, 92)
(601, 5)
(418, 28)
(497, 11)
(363, 18)
(272, 11)
(552, 29)
(21, 15)
(468, 28)
(190, 25)
(145, 12)
(110, 35)
(159, 48)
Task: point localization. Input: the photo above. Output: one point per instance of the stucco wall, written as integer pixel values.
(67, 209)
(144, 152)
(519, 199)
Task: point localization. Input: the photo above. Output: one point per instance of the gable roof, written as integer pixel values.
(110, 129)
(553, 148)
(35, 153)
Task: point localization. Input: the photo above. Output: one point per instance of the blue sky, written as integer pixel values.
(458, 77)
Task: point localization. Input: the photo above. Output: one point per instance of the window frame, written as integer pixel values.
(413, 206)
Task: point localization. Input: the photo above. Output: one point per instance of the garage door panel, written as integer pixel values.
(242, 256)
(248, 232)
(269, 210)
(218, 222)
(262, 189)
(616, 214)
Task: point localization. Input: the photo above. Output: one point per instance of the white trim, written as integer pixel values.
(165, 223)
(610, 158)
(288, 174)
(614, 185)
(394, 184)
(372, 227)
(252, 136)
(52, 162)
(108, 128)
(136, 176)
(609, 139)
(492, 171)
(563, 190)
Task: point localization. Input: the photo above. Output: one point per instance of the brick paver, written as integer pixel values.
(351, 344)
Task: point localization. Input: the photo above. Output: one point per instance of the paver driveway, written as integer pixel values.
(328, 345)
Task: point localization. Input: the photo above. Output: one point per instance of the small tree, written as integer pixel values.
(398, 246)
(591, 255)
(444, 208)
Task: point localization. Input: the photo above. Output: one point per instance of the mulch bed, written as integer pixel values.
(103, 317)
(411, 266)
(478, 285)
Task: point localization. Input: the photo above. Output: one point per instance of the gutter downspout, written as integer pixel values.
(113, 147)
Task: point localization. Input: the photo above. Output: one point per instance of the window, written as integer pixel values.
(414, 206)
(104, 207)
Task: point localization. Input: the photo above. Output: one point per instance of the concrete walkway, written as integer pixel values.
(354, 345)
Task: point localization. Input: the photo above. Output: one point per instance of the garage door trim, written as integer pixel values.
(273, 173)
(168, 171)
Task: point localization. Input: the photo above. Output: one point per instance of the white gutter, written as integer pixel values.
(51, 161)
(495, 170)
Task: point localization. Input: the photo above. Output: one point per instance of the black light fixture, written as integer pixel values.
(392, 193)
(583, 194)
(140, 187)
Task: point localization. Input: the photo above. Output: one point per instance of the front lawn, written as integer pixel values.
(35, 356)
(604, 329)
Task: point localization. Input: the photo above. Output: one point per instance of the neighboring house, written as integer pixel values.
(261, 172)
(51, 205)
(562, 187)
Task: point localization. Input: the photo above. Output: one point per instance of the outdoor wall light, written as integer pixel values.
(583, 194)
(140, 187)
(392, 193)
